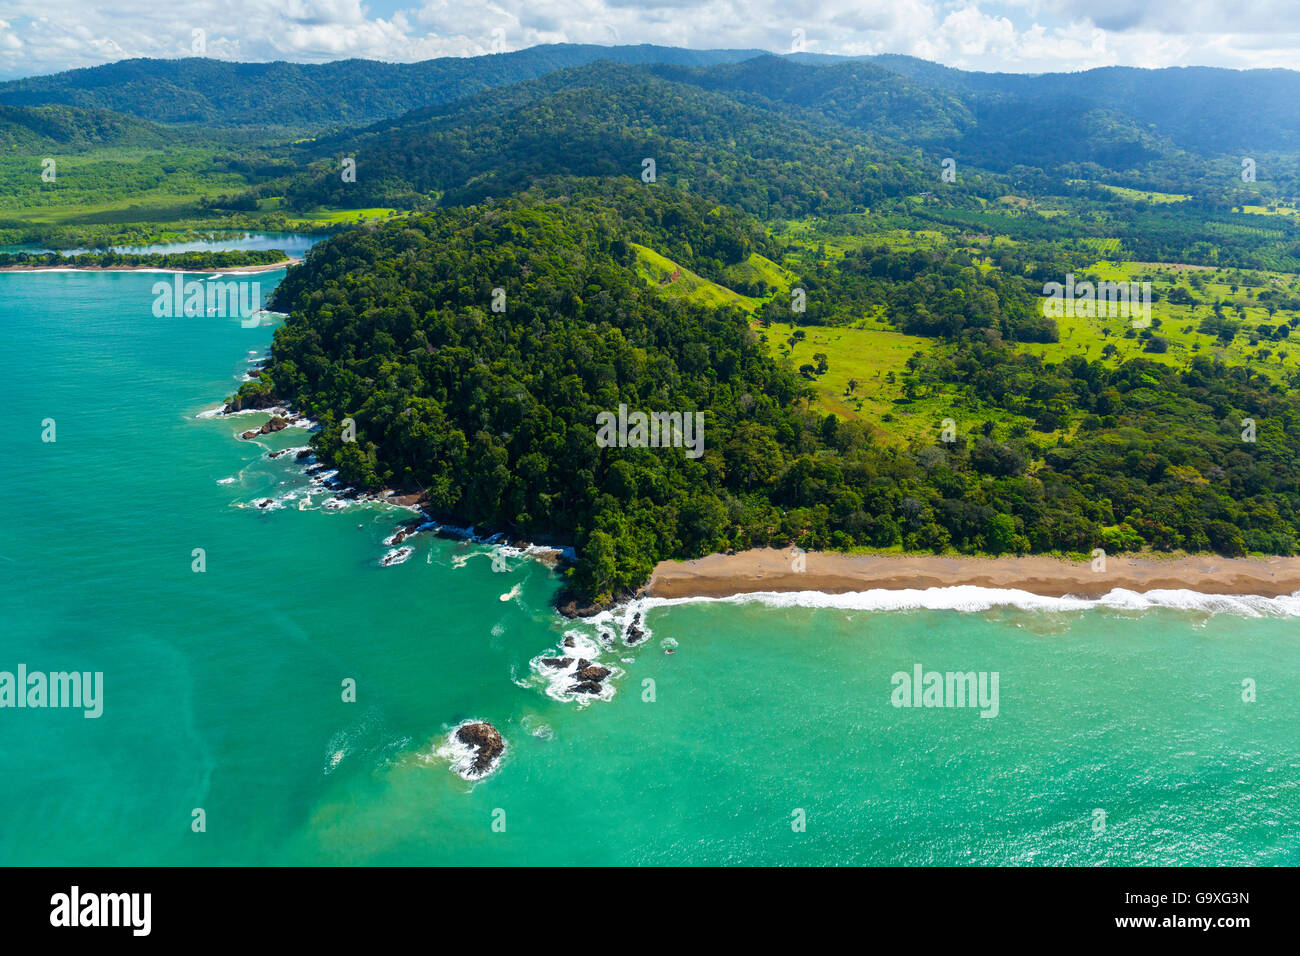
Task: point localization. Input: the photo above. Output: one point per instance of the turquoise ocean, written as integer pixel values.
(766, 736)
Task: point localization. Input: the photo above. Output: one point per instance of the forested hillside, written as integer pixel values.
(219, 93)
(493, 414)
(605, 120)
(37, 129)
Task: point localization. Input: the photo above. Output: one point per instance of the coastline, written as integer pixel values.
(771, 570)
(550, 553)
(262, 267)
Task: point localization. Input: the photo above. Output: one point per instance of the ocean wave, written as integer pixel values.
(969, 599)
(367, 738)
(628, 619)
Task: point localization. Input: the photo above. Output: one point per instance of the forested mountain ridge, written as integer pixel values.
(606, 119)
(1205, 111)
(34, 129)
(776, 137)
(221, 93)
(1118, 119)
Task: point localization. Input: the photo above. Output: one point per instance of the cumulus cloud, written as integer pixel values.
(42, 36)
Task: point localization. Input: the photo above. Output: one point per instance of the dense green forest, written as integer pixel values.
(494, 413)
(42, 129)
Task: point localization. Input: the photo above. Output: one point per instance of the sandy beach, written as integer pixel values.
(770, 569)
(230, 270)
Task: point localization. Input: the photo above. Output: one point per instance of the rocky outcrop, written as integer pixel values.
(589, 671)
(634, 632)
(559, 663)
(396, 556)
(589, 677)
(274, 424)
(486, 742)
(403, 532)
(573, 608)
(242, 403)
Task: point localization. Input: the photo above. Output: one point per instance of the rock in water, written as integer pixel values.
(591, 672)
(487, 744)
(634, 632)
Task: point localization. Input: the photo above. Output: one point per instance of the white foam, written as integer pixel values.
(968, 599)
(396, 556)
(558, 681)
(621, 617)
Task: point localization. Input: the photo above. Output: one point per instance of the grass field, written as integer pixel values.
(760, 269)
(1179, 324)
(864, 381)
(659, 271)
(1137, 195)
(1279, 209)
(334, 217)
(851, 233)
(145, 195)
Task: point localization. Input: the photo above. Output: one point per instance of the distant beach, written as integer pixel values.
(230, 270)
(772, 569)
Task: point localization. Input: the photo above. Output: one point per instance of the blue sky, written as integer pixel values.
(1024, 36)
